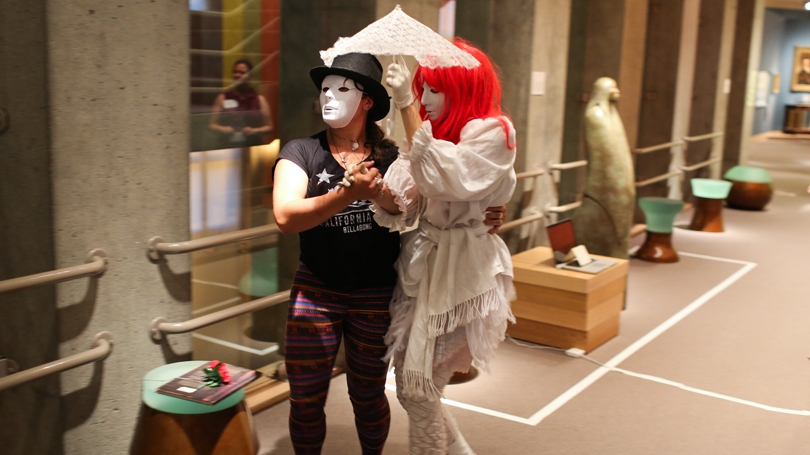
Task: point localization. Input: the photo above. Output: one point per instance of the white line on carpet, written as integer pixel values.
(610, 365)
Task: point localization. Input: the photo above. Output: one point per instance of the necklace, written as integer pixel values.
(343, 156)
(355, 144)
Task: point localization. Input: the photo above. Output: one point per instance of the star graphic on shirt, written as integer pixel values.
(323, 177)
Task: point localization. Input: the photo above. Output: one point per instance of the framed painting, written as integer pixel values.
(800, 80)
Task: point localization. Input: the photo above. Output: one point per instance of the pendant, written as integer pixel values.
(355, 146)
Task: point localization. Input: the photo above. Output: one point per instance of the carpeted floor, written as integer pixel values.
(713, 352)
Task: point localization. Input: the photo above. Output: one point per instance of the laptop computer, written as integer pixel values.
(562, 239)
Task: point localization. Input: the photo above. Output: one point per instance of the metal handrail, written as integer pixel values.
(102, 343)
(569, 165)
(700, 165)
(702, 137)
(157, 247)
(563, 208)
(658, 179)
(96, 263)
(654, 148)
(160, 326)
(529, 174)
(520, 221)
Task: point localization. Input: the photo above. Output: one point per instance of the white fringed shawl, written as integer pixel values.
(452, 268)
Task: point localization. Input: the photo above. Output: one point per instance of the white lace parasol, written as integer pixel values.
(400, 34)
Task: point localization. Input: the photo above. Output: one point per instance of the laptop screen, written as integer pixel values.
(562, 239)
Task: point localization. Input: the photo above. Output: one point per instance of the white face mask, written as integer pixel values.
(339, 100)
(433, 102)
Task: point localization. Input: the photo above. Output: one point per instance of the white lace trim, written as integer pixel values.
(399, 34)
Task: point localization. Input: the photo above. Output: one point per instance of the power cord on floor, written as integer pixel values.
(532, 345)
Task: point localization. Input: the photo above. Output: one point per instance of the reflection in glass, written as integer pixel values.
(234, 103)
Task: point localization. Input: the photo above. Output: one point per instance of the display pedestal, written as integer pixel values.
(172, 425)
(565, 308)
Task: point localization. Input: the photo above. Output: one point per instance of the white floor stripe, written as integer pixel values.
(236, 346)
(712, 394)
(611, 365)
(715, 258)
(478, 409)
(640, 343)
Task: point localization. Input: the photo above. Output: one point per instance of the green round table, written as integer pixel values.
(168, 424)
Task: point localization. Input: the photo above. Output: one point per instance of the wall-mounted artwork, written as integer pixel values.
(763, 89)
(800, 81)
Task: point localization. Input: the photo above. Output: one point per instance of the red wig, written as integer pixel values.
(473, 93)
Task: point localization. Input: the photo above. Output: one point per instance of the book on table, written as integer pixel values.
(193, 386)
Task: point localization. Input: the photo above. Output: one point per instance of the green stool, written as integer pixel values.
(173, 425)
(751, 188)
(660, 213)
(268, 325)
(709, 196)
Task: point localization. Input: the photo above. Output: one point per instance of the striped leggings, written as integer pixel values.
(317, 320)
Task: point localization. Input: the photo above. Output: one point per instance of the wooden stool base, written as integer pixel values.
(657, 247)
(749, 195)
(708, 216)
(229, 431)
(460, 378)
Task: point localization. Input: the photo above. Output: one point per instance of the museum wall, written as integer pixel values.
(783, 31)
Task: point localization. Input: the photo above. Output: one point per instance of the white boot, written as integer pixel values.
(459, 446)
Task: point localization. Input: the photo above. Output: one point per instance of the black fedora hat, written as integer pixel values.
(364, 69)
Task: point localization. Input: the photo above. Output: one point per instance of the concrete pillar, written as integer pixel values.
(668, 75)
(631, 71)
(105, 158)
(745, 63)
(544, 120)
(526, 38)
(28, 319)
(606, 40)
(709, 88)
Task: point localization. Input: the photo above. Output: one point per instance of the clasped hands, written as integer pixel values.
(364, 180)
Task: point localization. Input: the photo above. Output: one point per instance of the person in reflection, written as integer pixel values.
(241, 115)
(803, 77)
(345, 280)
(451, 303)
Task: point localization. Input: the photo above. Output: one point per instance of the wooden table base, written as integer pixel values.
(749, 195)
(708, 215)
(229, 431)
(460, 378)
(657, 247)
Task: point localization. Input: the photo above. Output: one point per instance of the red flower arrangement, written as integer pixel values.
(217, 374)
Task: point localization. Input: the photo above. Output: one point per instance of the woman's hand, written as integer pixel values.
(362, 179)
(494, 217)
(399, 79)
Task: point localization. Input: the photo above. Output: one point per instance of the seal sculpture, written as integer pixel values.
(602, 223)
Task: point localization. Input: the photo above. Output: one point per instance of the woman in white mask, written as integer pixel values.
(451, 303)
(346, 275)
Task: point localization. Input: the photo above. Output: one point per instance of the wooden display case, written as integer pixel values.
(564, 308)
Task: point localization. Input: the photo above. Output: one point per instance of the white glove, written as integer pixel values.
(399, 79)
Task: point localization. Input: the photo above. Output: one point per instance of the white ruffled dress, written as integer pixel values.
(455, 280)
